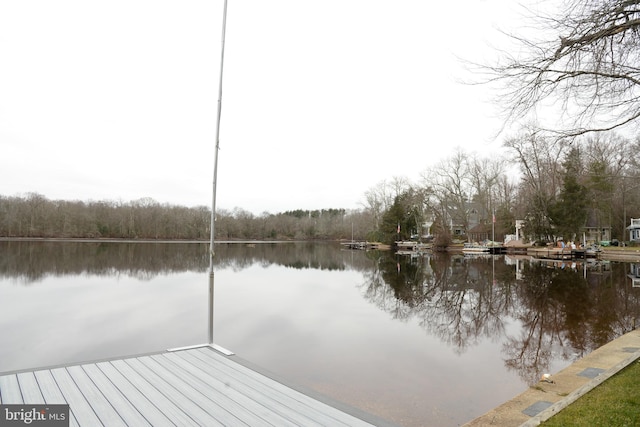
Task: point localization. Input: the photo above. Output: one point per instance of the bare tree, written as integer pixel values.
(505, 192)
(399, 185)
(588, 58)
(540, 163)
(611, 150)
(379, 198)
(484, 174)
(452, 187)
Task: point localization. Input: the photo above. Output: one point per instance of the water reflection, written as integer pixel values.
(29, 261)
(383, 332)
(565, 310)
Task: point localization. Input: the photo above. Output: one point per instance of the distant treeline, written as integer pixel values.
(33, 215)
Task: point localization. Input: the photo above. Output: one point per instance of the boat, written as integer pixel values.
(473, 248)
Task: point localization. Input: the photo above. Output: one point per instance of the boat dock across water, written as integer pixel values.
(561, 253)
(365, 246)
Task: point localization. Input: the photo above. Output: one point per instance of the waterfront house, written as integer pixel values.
(634, 230)
(596, 228)
(473, 221)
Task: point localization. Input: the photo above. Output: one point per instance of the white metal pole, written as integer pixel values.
(215, 176)
(217, 147)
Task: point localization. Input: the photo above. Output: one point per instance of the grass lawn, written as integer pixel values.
(615, 402)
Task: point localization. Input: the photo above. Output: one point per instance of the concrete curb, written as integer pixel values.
(572, 397)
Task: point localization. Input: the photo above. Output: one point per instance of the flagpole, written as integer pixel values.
(493, 227)
(215, 177)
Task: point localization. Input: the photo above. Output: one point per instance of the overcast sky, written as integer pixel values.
(322, 100)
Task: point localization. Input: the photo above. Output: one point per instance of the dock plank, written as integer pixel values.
(78, 405)
(51, 392)
(319, 412)
(217, 391)
(10, 390)
(264, 399)
(285, 401)
(31, 392)
(187, 398)
(248, 405)
(159, 400)
(117, 400)
(95, 398)
(187, 387)
(142, 404)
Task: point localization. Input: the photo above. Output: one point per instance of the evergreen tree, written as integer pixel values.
(569, 213)
(393, 225)
(402, 218)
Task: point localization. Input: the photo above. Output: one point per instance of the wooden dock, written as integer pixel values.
(413, 246)
(190, 387)
(366, 246)
(559, 253)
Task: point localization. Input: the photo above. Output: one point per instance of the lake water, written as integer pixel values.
(437, 340)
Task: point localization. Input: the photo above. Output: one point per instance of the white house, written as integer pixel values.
(634, 230)
(634, 274)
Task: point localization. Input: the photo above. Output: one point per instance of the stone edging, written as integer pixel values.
(573, 396)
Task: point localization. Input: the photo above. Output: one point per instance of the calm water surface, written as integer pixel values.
(426, 341)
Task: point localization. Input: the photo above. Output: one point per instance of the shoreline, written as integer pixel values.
(129, 240)
(543, 400)
(626, 254)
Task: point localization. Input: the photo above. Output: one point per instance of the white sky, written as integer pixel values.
(322, 99)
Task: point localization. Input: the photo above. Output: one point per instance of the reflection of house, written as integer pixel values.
(634, 274)
(634, 230)
(596, 228)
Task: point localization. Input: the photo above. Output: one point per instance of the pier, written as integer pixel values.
(187, 387)
(560, 253)
(365, 246)
(412, 246)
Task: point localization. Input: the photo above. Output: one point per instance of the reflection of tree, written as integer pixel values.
(563, 313)
(615, 303)
(450, 297)
(463, 306)
(31, 261)
(567, 315)
(541, 318)
(405, 278)
(461, 300)
(377, 290)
